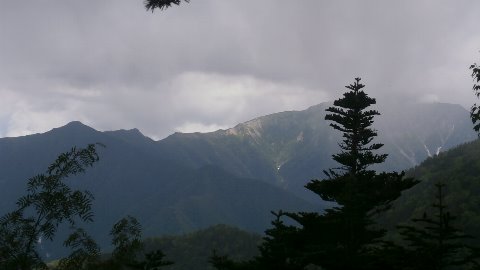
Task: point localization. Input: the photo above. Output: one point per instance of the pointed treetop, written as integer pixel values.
(349, 116)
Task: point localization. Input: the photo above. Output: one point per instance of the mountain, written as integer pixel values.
(459, 170)
(132, 178)
(236, 176)
(288, 149)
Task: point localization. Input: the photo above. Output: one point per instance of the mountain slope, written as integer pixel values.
(290, 148)
(459, 170)
(131, 178)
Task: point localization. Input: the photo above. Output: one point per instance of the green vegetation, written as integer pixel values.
(128, 250)
(191, 251)
(126, 238)
(49, 202)
(433, 242)
(86, 253)
(475, 110)
(459, 170)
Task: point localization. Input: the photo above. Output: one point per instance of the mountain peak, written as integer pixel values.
(75, 124)
(74, 127)
(128, 134)
(134, 132)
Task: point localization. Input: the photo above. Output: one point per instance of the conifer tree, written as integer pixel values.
(280, 250)
(434, 243)
(349, 116)
(340, 238)
(281, 247)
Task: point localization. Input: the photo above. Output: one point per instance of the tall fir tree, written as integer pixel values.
(340, 238)
(351, 117)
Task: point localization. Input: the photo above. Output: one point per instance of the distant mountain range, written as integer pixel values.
(236, 176)
(288, 149)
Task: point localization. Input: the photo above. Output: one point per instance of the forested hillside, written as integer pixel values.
(459, 170)
(193, 250)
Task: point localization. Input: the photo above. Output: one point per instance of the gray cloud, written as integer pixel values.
(211, 64)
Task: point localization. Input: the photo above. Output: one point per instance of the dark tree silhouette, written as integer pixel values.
(126, 235)
(341, 237)
(161, 4)
(281, 248)
(475, 110)
(223, 262)
(86, 253)
(154, 261)
(48, 203)
(349, 116)
(433, 243)
(128, 249)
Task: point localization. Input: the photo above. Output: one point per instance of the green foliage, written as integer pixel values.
(126, 237)
(433, 242)
(191, 251)
(154, 261)
(85, 253)
(281, 249)
(475, 110)
(127, 253)
(282, 246)
(161, 4)
(459, 169)
(48, 203)
(223, 262)
(350, 116)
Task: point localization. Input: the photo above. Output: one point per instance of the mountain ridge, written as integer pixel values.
(189, 181)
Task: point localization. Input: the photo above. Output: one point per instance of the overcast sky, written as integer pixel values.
(212, 64)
